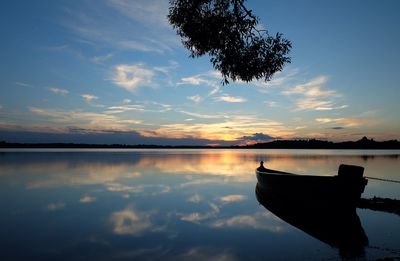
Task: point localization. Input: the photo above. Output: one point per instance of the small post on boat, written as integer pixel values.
(261, 167)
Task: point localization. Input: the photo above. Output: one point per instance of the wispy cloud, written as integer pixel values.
(139, 25)
(194, 80)
(313, 96)
(347, 122)
(143, 46)
(87, 199)
(271, 104)
(203, 116)
(264, 221)
(89, 97)
(131, 77)
(56, 206)
(210, 79)
(58, 91)
(279, 79)
(147, 12)
(312, 88)
(226, 98)
(195, 98)
(88, 120)
(124, 108)
(196, 198)
(196, 217)
(130, 221)
(232, 198)
(102, 58)
(23, 84)
(116, 187)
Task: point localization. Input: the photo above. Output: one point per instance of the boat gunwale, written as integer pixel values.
(281, 173)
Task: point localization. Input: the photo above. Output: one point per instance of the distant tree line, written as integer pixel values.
(363, 143)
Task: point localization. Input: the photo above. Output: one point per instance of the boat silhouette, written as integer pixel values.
(341, 190)
(324, 207)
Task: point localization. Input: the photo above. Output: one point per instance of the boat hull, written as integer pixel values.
(329, 190)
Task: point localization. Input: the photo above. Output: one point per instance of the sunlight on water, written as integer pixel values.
(172, 204)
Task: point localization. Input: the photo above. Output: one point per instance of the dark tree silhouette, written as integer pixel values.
(227, 31)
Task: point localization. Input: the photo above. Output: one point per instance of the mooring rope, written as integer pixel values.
(387, 180)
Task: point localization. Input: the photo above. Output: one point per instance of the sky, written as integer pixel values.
(114, 71)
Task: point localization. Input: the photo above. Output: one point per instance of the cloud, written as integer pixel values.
(226, 98)
(196, 198)
(196, 98)
(151, 13)
(139, 25)
(232, 198)
(129, 221)
(143, 46)
(87, 199)
(194, 80)
(229, 128)
(203, 116)
(56, 206)
(271, 104)
(23, 84)
(88, 122)
(102, 58)
(256, 138)
(211, 79)
(89, 97)
(317, 105)
(312, 96)
(125, 189)
(124, 108)
(131, 77)
(116, 187)
(259, 137)
(58, 91)
(260, 220)
(279, 79)
(347, 122)
(196, 217)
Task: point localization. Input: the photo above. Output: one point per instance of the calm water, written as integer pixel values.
(172, 205)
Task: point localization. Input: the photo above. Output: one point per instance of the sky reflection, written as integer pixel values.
(175, 205)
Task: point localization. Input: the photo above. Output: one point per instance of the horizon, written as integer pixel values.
(114, 72)
(371, 143)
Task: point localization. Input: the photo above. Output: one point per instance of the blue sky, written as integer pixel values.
(114, 71)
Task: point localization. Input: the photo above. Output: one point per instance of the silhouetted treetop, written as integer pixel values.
(228, 32)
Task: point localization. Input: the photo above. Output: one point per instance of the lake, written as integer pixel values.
(60, 204)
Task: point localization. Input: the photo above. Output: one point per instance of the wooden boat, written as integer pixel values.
(338, 227)
(341, 190)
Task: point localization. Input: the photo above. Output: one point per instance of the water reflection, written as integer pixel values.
(172, 204)
(63, 168)
(336, 226)
(129, 221)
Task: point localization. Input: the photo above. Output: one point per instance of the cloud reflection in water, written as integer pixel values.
(130, 221)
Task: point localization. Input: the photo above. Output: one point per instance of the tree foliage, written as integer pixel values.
(228, 32)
